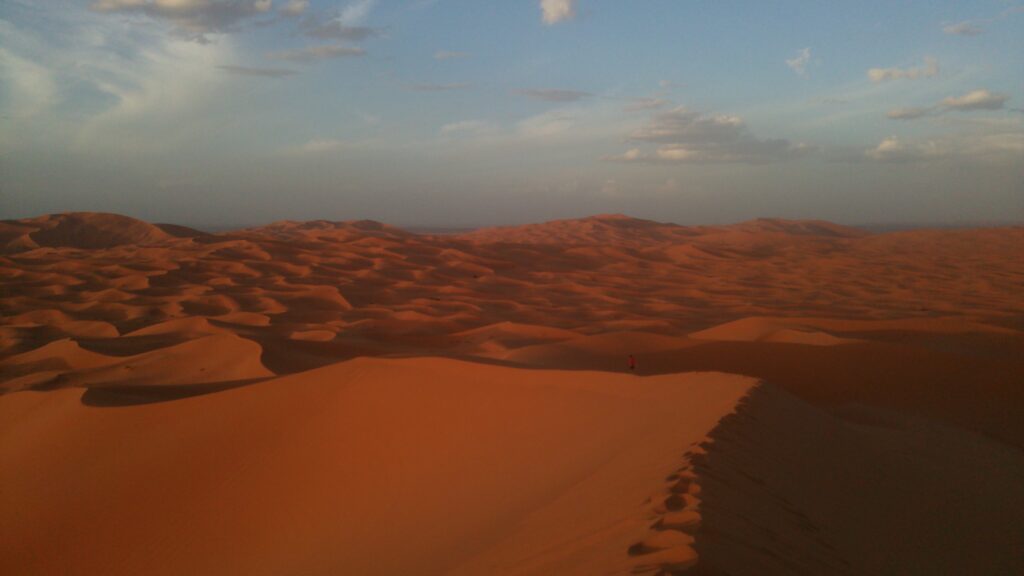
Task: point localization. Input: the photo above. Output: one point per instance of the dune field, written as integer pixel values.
(352, 398)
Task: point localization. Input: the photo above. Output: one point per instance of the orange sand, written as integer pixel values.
(181, 402)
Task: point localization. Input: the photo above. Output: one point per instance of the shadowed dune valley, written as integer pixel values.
(605, 395)
(531, 288)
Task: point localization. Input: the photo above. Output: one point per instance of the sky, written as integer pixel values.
(466, 113)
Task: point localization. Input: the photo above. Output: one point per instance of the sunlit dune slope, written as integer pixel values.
(373, 466)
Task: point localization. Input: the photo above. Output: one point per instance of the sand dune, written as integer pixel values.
(364, 467)
(876, 493)
(790, 331)
(513, 459)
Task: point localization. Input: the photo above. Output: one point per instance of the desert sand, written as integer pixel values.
(352, 398)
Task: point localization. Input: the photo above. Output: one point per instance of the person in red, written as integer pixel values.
(632, 362)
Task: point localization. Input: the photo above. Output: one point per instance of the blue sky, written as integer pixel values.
(460, 113)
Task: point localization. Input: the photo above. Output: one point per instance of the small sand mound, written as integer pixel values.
(208, 359)
(778, 330)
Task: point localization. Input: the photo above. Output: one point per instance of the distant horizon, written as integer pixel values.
(875, 227)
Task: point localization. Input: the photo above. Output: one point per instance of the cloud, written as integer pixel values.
(973, 100)
(467, 128)
(347, 24)
(251, 71)
(690, 137)
(639, 104)
(555, 11)
(908, 113)
(356, 12)
(547, 126)
(930, 69)
(28, 88)
(334, 30)
(976, 100)
(164, 97)
(894, 150)
(799, 63)
(440, 87)
(997, 144)
(553, 95)
(314, 147)
(965, 28)
(193, 19)
(449, 54)
(315, 53)
(294, 7)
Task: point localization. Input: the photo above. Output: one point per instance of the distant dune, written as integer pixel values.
(350, 397)
(77, 230)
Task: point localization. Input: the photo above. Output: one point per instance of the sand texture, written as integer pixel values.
(352, 398)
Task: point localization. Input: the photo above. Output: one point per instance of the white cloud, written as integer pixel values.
(892, 149)
(294, 7)
(314, 53)
(976, 100)
(356, 12)
(555, 11)
(162, 95)
(965, 28)
(799, 63)
(930, 69)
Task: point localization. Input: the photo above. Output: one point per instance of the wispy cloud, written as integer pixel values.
(965, 28)
(449, 54)
(555, 11)
(347, 24)
(193, 19)
(314, 147)
(930, 69)
(315, 53)
(465, 128)
(973, 100)
(799, 63)
(908, 113)
(256, 71)
(294, 7)
(638, 104)
(553, 94)
(976, 100)
(439, 87)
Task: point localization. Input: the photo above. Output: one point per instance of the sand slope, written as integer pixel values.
(875, 492)
(421, 466)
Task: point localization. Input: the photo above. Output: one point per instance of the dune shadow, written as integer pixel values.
(116, 396)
